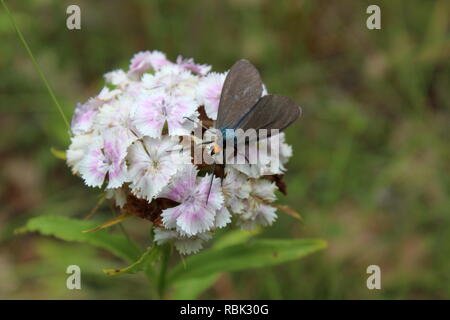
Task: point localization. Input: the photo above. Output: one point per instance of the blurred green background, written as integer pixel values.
(370, 172)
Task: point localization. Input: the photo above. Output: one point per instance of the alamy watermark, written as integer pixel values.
(373, 22)
(374, 280)
(232, 146)
(73, 21)
(74, 280)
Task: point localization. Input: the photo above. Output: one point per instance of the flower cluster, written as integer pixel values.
(124, 140)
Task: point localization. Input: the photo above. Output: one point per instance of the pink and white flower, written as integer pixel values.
(152, 163)
(223, 218)
(260, 215)
(189, 64)
(145, 60)
(106, 157)
(118, 78)
(183, 243)
(83, 116)
(118, 114)
(79, 146)
(173, 80)
(119, 195)
(155, 110)
(257, 209)
(196, 212)
(132, 139)
(236, 188)
(208, 93)
(106, 94)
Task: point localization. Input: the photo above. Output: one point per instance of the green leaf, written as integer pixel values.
(233, 237)
(58, 153)
(146, 260)
(190, 289)
(258, 253)
(72, 230)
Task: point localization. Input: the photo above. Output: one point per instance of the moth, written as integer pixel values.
(241, 106)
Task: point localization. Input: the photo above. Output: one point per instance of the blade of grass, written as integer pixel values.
(288, 210)
(36, 65)
(112, 222)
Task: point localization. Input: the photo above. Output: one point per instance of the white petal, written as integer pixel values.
(151, 168)
(208, 92)
(78, 149)
(117, 78)
(170, 216)
(115, 144)
(119, 195)
(266, 215)
(210, 193)
(94, 166)
(163, 235)
(189, 245)
(223, 217)
(148, 117)
(194, 218)
(264, 189)
(182, 185)
(106, 94)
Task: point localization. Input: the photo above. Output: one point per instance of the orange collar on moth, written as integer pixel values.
(216, 148)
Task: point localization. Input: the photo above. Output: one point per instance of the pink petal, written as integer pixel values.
(83, 116)
(223, 217)
(94, 167)
(189, 64)
(182, 184)
(194, 217)
(215, 199)
(149, 118)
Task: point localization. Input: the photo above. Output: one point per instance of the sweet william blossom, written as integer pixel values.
(189, 64)
(134, 137)
(78, 150)
(83, 116)
(119, 195)
(236, 188)
(257, 209)
(196, 212)
(173, 79)
(261, 215)
(145, 60)
(106, 157)
(118, 115)
(208, 93)
(183, 243)
(106, 95)
(152, 163)
(118, 78)
(154, 110)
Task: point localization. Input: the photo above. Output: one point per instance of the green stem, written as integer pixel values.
(36, 65)
(151, 276)
(163, 271)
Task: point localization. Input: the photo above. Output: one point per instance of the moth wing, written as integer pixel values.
(271, 112)
(241, 91)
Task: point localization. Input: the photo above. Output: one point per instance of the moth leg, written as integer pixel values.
(211, 182)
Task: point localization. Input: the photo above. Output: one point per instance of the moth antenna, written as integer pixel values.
(180, 149)
(196, 122)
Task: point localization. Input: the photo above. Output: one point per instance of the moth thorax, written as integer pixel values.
(216, 148)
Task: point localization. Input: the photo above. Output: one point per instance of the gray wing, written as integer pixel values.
(241, 90)
(271, 112)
